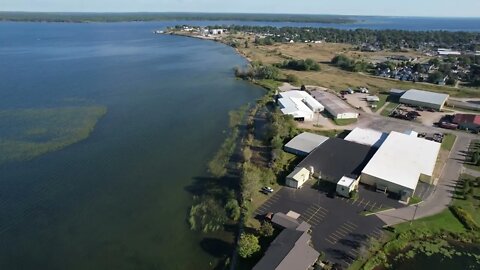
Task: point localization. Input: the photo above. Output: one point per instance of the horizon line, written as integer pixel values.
(240, 13)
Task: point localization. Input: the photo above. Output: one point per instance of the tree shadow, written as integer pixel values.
(350, 243)
(216, 247)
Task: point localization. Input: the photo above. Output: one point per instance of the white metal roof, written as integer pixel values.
(306, 142)
(304, 97)
(366, 136)
(424, 96)
(333, 104)
(402, 158)
(346, 182)
(299, 174)
(295, 107)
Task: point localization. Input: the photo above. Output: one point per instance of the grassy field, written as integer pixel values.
(383, 99)
(388, 109)
(468, 196)
(474, 147)
(335, 78)
(448, 141)
(28, 133)
(344, 122)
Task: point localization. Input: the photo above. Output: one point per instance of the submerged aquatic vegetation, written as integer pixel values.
(28, 133)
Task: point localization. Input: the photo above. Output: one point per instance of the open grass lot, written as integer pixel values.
(468, 196)
(474, 147)
(345, 122)
(383, 99)
(448, 141)
(388, 109)
(335, 78)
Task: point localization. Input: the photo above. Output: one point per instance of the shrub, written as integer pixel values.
(464, 217)
(266, 229)
(248, 245)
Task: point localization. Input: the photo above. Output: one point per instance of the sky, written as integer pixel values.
(430, 8)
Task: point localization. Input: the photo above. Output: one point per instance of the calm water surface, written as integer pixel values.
(119, 199)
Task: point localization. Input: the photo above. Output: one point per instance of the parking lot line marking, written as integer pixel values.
(350, 225)
(373, 206)
(314, 213)
(343, 230)
(336, 235)
(354, 201)
(333, 243)
(352, 253)
(360, 202)
(366, 205)
(380, 207)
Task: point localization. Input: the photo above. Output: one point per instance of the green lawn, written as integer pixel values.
(345, 122)
(383, 100)
(388, 109)
(448, 141)
(474, 147)
(468, 196)
(327, 133)
(269, 84)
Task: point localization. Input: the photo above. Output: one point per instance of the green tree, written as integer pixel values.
(266, 229)
(233, 209)
(248, 245)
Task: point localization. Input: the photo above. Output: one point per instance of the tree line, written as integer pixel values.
(385, 39)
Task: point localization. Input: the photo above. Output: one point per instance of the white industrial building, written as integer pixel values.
(400, 162)
(304, 143)
(346, 185)
(299, 104)
(297, 178)
(424, 99)
(367, 136)
(334, 105)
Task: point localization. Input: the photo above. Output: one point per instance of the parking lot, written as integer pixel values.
(339, 225)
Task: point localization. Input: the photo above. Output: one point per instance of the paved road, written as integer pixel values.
(441, 196)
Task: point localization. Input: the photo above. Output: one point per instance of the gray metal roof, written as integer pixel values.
(397, 91)
(305, 142)
(290, 250)
(333, 104)
(285, 221)
(424, 96)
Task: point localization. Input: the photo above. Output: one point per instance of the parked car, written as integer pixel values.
(268, 189)
(430, 110)
(268, 216)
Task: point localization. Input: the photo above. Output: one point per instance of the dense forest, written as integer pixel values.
(384, 39)
(167, 16)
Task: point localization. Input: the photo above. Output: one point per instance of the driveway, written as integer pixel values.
(441, 196)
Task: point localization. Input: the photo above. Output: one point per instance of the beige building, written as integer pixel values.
(298, 177)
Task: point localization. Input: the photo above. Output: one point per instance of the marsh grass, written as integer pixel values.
(29, 133)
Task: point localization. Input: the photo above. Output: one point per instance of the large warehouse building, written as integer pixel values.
(367, 136)
(304, 143)
(299, 104)
(334, 105)
(400, 162)
(424, 99)
(332, 160)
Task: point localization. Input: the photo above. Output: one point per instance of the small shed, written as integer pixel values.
(346, 185)
(372, 99)
(298, 177)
